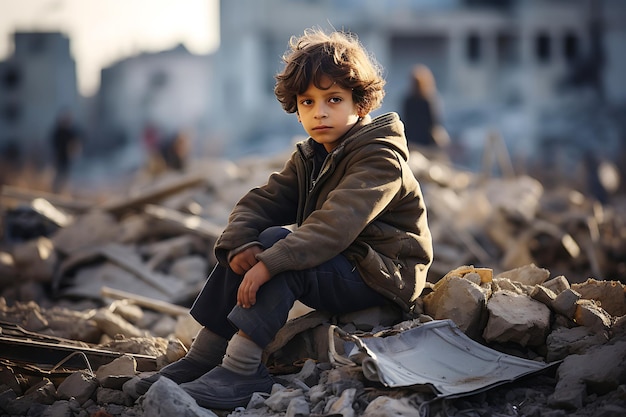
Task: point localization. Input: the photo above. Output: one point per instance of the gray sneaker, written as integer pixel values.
(183, 370)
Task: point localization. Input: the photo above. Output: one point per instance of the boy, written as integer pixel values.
(361, 237)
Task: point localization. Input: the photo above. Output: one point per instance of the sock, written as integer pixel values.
(243, 356)
(207, 349)
(205, 353)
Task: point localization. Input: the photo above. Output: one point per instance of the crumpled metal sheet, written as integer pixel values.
(439, 355)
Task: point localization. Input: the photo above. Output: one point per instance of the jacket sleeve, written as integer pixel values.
(273, 204)
(371, 180)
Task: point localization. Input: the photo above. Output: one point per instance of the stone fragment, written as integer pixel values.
(43, 393)
(9, 379)
(589, 314)
(343, 404)
(557, 285)
(459, 300)
(113, 396)
(112, 324)
(528, 275)
(36, 259)
(389, 407)
(124, 365)
(543, 295)
(91, 229)
(115, 373)
(280, 399)
(565, 303)
(298, 407)
(610, 295)
(81, 385)
(505, 284)
(516, 318)
(61, 408)
(165, 398)
(127, 310)
(599, 371)
(569, 341)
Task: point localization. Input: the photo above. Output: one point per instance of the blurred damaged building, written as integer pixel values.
(547, 75)
(529, 69)
(36, 82)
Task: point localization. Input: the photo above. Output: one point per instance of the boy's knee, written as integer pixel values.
(272, 235)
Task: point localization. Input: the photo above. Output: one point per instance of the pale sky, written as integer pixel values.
(102, 32)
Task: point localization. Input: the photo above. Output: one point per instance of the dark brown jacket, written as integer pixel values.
(365, 203)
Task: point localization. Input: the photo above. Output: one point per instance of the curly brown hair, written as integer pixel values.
(337, 55)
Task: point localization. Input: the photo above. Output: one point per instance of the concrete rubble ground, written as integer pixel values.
(93, 296)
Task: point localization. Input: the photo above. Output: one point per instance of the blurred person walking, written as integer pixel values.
(66, 141)
(420, 112)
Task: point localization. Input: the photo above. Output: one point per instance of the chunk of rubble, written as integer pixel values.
(516, 318)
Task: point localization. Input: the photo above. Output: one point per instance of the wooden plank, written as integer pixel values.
(187, 223)
(151, 194)
(139, 300)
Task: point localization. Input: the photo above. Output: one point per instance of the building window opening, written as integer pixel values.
(473, 48)
(11, 78)
(542, 47)
(507, 49)
(570, 47)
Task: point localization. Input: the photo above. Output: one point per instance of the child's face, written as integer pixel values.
(327, 114)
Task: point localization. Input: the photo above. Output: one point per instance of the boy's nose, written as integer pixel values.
(320, 111)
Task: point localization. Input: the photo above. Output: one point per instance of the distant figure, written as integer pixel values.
(419, 111)
(65, 145)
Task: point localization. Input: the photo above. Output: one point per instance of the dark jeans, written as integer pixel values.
(334, 286)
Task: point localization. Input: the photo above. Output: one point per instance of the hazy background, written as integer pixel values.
(105, 31)
(543, 78)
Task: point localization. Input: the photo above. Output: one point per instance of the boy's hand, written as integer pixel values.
(244, 260)
(252, 281)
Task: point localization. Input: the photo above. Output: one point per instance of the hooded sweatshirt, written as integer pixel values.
(364, 203)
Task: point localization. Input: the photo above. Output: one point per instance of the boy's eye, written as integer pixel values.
(335, 99)
(306, 102)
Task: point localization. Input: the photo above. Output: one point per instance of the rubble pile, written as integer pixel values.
(95, 295)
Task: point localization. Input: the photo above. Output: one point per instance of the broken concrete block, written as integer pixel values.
(569, 341)
(590, 315)
(610, 295)
(459, 300)
(298, 407)
(128, 311)
(565, 303)
(505, 284)
(91, 229)
(528, 275)
(81, 385)
(598, 371)
(543, 295)
(36, 259)
(343, 405)
(113, 396)
(557, 285)
(166, 398)
(387, 406)
(112, 324)
(516, 318)
(125, 366)
(9, 379)
(280, 399)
